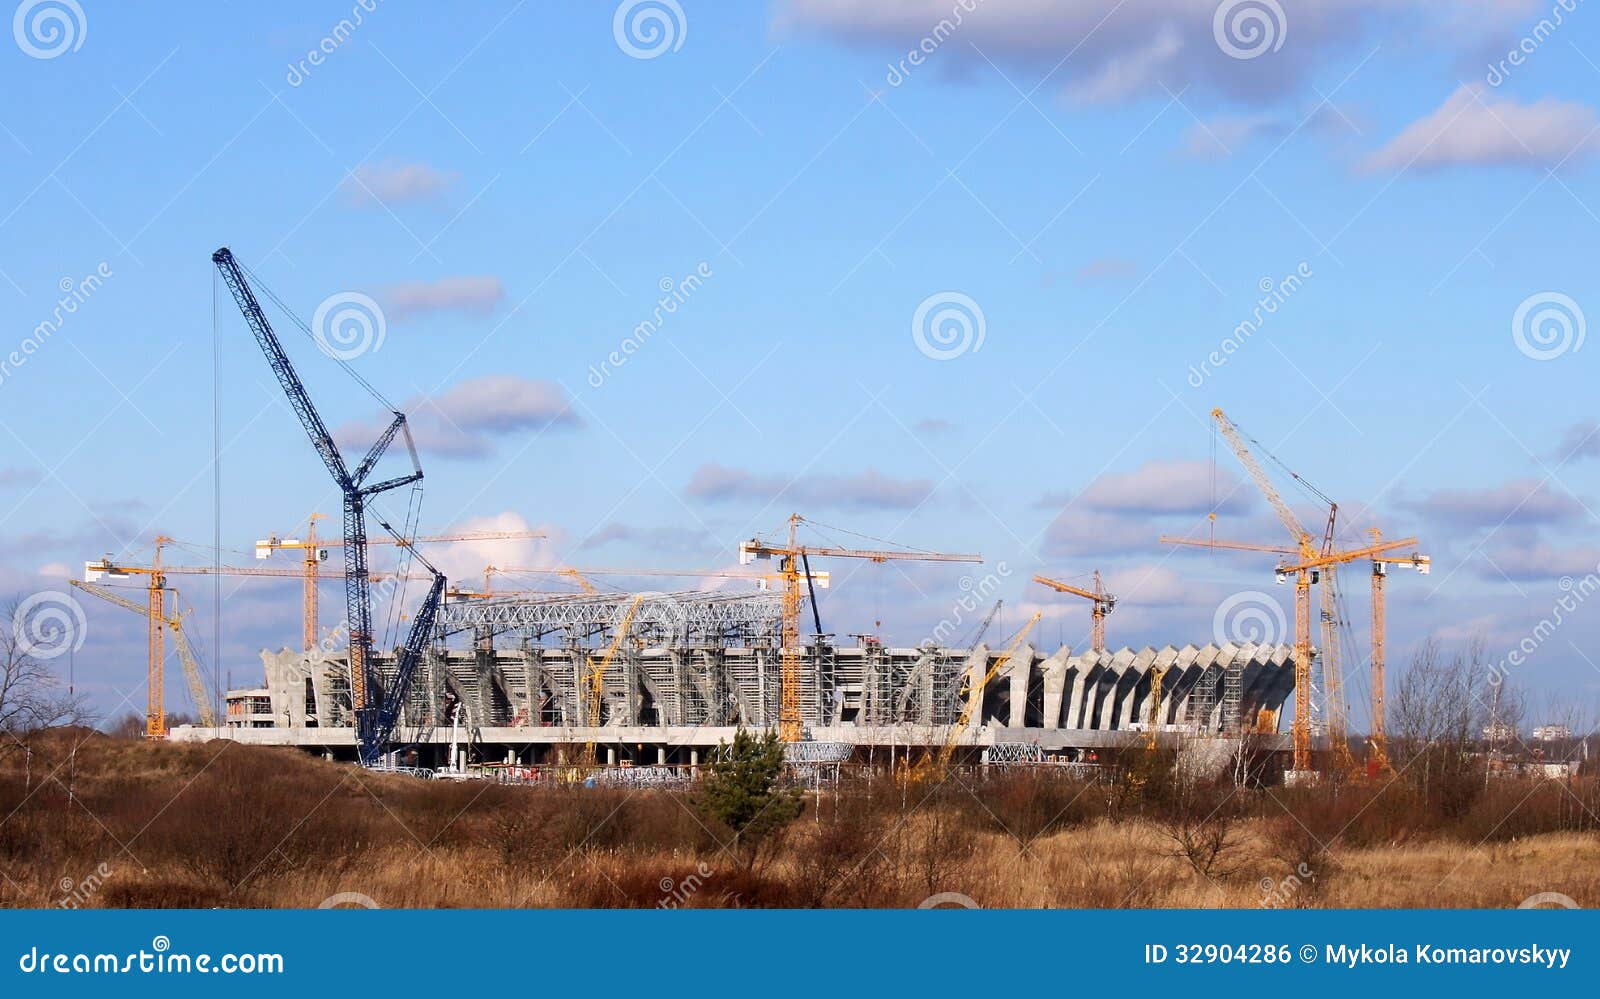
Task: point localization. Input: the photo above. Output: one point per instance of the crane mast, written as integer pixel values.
(794, 566)
(374, 717)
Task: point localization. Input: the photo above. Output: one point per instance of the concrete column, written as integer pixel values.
(1055, 679)
(1019, 669)
(661, 756)
(1114, 684)
(611, 756)
(1135, 704)
(1085, 673)
(977, 669)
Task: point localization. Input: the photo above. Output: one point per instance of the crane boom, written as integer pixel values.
(974, 701)
(1258, 475)
(594, 680)
(366, 700)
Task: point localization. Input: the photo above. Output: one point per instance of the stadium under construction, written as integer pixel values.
(683, 670)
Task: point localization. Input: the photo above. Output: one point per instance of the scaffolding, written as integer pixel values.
(684, 618)
(1004, 754)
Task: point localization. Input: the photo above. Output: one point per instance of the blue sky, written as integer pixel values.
(1103, 182)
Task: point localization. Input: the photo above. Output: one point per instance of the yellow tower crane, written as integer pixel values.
(795, 566)
(1380, 614)
(316, 552)
(174, 623)
(1102, 603)
(1303, 574)
(1310, 559)
(819, 579)
(155, 575)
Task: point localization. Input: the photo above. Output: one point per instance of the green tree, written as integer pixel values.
(741, 792)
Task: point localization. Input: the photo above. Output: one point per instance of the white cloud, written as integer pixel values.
(464, 421)
(1221, 137)
(1541, 561)
(1471, 128)
(476, 295)
(1105, 51)
(394, 181)
(463, 562)
(1518, 503)
(1178, 486)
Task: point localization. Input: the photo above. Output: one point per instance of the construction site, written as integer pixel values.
(515, 683)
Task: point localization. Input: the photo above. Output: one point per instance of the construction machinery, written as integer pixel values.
(174, 623)
(1152, 722)
(1380, 614)
(1101, 604)
(376, 709)
(594, 679)
(155, 575)
(1310, 556)
(316, 553)
(794, 566)
(820, 579)
(939, 762)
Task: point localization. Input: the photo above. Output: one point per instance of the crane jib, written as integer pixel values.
(376, 711)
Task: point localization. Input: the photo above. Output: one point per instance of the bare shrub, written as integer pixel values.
(837, 861)
(1031, 803)
(1202, 824)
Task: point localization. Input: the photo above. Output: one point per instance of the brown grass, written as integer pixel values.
(90, 821)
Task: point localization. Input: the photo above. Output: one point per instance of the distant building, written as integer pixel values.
(1552, 733)
(1500, 732)
(250, 708)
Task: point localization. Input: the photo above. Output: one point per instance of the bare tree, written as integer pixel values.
(1444, 710)
(32, 695)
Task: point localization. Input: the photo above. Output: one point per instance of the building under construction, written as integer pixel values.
(692, 666)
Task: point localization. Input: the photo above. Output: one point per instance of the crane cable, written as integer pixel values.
(868, 537)
(306, 329)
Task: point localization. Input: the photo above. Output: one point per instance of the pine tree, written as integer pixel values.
(741, 791)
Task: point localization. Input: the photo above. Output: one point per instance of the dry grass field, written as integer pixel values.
(119, 823)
